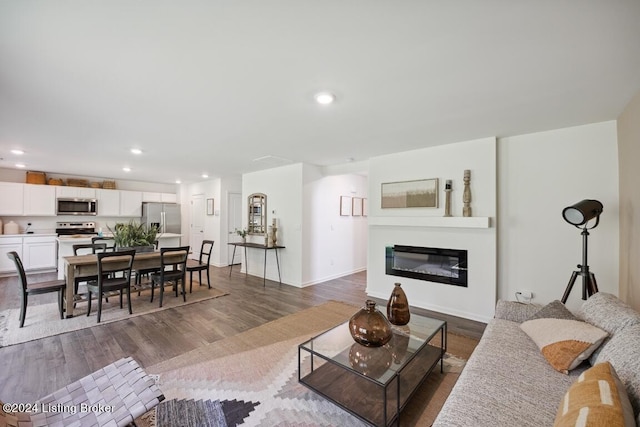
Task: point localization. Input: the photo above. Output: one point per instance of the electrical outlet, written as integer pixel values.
(526, 294)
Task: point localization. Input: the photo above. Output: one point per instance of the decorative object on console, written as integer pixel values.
(273, 232)
(579, 215)
(421, 193)
(562, 339)
(466, 194)
(242, 233)
(369, 327)
(447, 197)
(398, 306)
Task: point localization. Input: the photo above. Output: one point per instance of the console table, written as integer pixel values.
(265, 248)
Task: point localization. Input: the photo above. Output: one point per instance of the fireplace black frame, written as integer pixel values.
(461, 254)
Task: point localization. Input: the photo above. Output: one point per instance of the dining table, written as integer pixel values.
(87, 265)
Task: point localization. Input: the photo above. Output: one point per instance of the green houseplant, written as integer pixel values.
(134, 235)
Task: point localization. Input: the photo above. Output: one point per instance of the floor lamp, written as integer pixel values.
(579, 215)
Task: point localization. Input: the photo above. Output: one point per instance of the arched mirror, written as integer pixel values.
(257, 223)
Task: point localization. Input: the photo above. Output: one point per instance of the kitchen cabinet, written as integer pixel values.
(159, 197)
(39, 252)
(76, 192)
(108, 202)
(39, 200)
(8, 244)
(11, 199)
(131, 203)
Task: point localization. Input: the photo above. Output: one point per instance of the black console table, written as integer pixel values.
(265, 248)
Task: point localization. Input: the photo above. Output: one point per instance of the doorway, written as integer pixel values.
(235, 222)
(197, 225)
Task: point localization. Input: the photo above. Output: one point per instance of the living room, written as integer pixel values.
(540, 103)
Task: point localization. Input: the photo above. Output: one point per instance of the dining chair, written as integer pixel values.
(86, 249)
(58, 286)
(173, 261)
(109, 265)
(145, 272)
(109, 242)
(205, 252)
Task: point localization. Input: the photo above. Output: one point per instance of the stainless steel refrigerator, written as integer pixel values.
(165, 215)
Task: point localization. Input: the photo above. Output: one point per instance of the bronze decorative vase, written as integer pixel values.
(398, 307)
(369, 327)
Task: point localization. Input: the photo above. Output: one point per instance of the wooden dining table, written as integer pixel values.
(87, 265)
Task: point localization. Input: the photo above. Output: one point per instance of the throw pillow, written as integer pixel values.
(597, 398)
(563, 340)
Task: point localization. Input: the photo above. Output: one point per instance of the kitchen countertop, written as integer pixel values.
(82, 238)
(29, 235)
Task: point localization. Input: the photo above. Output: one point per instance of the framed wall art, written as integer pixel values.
(356, 206)
(209, 206)
(345, 205)
(421, 193)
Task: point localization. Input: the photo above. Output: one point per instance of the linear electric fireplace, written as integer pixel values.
(433, 264)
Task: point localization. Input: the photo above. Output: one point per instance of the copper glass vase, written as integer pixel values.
(398, 307)
(369, 327)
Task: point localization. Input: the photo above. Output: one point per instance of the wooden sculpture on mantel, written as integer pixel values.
(466, 194)
(447, 198)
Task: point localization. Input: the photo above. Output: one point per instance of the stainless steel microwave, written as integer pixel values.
(71, 206)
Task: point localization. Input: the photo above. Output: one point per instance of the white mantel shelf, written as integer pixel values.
(431, 221)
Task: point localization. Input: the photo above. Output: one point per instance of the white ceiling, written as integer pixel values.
(208, 86)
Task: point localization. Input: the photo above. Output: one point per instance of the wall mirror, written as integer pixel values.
(257, 214)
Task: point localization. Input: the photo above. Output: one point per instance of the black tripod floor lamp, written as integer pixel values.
(579, 215)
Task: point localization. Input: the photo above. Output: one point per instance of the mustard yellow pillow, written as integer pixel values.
(596, 399)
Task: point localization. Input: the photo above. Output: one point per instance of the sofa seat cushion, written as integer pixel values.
(597, 398)
(506, 382)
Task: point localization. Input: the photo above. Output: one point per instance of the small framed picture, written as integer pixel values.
(356, 206)
(345, 206)
(209, 206)
(365, 207)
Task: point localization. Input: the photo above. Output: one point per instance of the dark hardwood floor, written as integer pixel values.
(34, 369)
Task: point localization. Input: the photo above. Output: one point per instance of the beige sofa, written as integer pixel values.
(507, 382)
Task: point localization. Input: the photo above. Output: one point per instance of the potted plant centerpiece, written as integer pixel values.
(134, 235)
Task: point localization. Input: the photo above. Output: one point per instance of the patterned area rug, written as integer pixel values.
(259, 387)
(44, 320)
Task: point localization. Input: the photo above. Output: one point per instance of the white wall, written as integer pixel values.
(283, 187)
(333, 245)
(477, 301)
(539, 175)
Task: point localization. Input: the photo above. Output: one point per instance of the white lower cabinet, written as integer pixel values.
(9, 244)
(39, 252)
(36, 253)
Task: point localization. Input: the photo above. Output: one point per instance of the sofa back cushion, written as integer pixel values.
(607, 312)
(623, 352)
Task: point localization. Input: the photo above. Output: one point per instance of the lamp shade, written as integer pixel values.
(581, 212)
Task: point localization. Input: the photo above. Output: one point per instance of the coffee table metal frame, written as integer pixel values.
(354, 389)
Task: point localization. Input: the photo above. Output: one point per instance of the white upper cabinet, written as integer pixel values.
(76, 192)
(11, 199)
(39, 200)
(159, 197)
(108, 202)
(168, 198)
(131, 203)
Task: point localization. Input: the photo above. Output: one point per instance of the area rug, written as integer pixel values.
(258, 385)
(44, 320)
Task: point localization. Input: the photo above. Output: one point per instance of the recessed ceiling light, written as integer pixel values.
(204, 175)
(136, 151)
(126, 169)
(17, 152)
(325, 98)
(178, 181)
(20, 165)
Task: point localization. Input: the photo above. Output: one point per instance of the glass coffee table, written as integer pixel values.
(373, 383)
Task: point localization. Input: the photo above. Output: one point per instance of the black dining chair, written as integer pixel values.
(109, 242)
(144, 272)
(173, 262)
(58, 286)
(86, 249)
(114, 274)
(202, 264)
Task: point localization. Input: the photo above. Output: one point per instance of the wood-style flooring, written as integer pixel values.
(34, 369)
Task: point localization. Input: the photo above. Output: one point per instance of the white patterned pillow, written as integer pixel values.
(562, 339)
